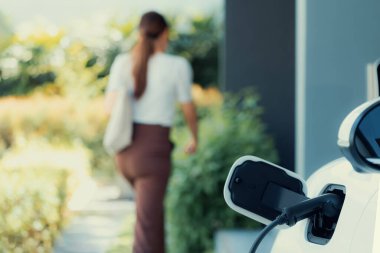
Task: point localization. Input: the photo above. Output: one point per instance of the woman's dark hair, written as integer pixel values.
(152, 25)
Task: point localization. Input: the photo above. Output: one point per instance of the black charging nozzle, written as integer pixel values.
(328, 205)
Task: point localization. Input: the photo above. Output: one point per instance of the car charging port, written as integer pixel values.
(322, 226)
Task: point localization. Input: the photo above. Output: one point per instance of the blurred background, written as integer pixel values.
(271, 78)
(59, 190)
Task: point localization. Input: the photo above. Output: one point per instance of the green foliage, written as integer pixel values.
(195, 203)
(61, 65)
(57, 121)
(32, 207)
(200, 45)
(37, 179)
(32, 69)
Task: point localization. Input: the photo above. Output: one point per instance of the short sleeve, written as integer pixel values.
(117, 78)
(184, 81)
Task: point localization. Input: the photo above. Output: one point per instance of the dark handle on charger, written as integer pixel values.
(329, 204)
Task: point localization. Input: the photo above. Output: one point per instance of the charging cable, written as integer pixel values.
(281, 219)
(328, 204)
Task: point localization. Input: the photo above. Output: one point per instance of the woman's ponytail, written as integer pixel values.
(152, 25)
(142, 52)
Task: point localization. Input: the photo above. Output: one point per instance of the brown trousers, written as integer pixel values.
(146, 164)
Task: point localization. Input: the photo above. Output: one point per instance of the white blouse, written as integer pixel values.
(169, 80)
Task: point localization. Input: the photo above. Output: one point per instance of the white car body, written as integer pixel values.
(357, 225)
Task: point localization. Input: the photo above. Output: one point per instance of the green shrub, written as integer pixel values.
(200, 45)
(32, 70)
(58, 121)
(37, 183)
(195, 203)
(32, 207)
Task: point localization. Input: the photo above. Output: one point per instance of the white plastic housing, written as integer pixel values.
(227, 193)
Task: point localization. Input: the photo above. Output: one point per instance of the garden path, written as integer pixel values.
(97, 223)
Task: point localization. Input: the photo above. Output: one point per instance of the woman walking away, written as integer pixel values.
(156, 82)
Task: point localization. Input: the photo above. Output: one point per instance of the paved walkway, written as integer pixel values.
(98, 221)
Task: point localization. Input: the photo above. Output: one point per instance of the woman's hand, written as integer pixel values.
(190, 114)
(191, 147)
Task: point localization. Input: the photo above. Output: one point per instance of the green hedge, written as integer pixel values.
(32, 207)
(59, 122)
(195, 205)
(43, 159)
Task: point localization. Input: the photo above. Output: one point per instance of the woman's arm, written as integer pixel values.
(190, 115)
